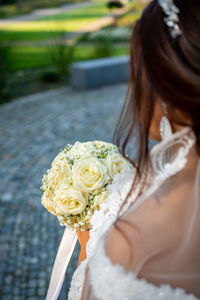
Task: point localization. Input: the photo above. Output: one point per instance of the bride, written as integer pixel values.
(145, 240)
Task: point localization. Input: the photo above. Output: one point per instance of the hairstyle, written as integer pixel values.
(165, 68)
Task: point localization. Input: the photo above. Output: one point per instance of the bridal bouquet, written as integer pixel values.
(77, 182)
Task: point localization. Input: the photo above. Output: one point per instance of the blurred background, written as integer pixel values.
(42, 109)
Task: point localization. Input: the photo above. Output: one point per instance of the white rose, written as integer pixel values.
(59, 173)
(47, 201)
(81, 149)
(98, 199)
(117, 164)
(68, 201)
(89, 174)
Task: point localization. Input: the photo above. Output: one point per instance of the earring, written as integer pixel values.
(165, 127)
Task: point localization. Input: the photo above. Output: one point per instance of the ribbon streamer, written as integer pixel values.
(63, 256)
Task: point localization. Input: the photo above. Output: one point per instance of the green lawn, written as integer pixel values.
(94, 10)
(33, 56)
(12, 10)
(129, 19)
(18, 35)
(23, 58)
(50, 26)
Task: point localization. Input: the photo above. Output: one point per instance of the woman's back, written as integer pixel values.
(159, 239)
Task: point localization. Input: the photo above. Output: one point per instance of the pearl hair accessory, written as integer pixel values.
(172, 19)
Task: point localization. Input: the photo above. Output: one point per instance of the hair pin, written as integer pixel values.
(171, 20)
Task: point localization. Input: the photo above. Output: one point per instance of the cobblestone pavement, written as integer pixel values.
(32, 130)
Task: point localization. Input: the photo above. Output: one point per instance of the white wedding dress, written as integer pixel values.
(149, 248)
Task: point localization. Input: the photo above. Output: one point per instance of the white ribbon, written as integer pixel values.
(63, 256)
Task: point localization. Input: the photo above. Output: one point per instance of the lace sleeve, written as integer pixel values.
(160, 239)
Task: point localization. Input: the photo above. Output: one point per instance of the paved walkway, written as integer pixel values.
(32, 130)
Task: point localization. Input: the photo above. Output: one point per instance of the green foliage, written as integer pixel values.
(114, 4)
(61, 54)
(25, 58)
(18, 7)
(8, 11)
(35, 72)
(50, 76)
(103, 44)
(5, 74)
(11, 35)
(27, 82)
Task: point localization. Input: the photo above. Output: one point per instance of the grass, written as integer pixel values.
(33, 60)
(51, 26)
(27, 35)
(40, 56)
(94, 10)
(29, 82)
(133, 15)
(12, 10)
(47, 25)
(129, 19)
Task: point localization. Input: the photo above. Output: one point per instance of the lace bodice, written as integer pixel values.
(126, 285)
(103, 273)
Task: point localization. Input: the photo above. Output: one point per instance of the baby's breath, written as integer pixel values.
(97, 149)
(44, 186)
(67, 148)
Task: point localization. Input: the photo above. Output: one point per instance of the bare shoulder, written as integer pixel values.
(118, 245)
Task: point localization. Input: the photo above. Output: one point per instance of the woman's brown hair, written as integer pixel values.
(161, 67)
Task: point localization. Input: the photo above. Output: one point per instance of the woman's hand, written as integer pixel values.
(83, 237)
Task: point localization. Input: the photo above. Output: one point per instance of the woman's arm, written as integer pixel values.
(83, 237)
